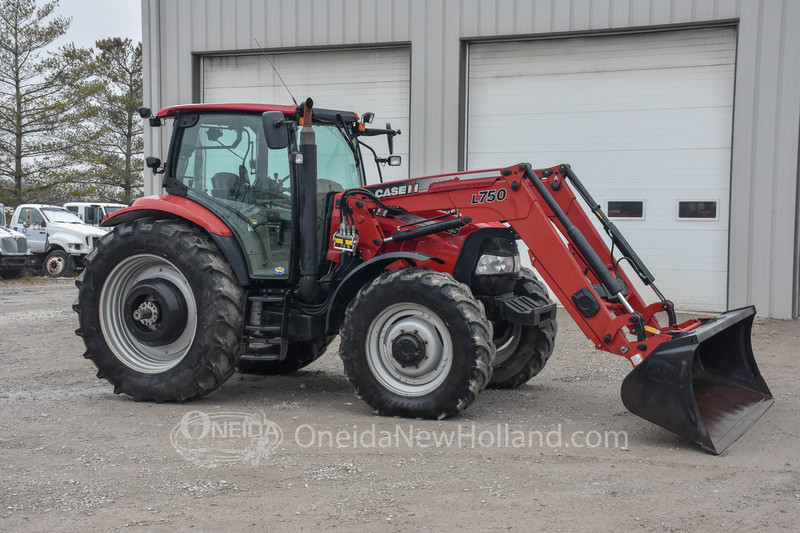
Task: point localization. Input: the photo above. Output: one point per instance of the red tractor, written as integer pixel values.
(269, 243)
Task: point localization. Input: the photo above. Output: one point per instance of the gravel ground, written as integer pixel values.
(77, 457)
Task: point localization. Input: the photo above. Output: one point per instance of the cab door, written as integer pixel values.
(31, 224)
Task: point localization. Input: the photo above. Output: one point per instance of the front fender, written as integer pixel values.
(360, 276)
(62, 239)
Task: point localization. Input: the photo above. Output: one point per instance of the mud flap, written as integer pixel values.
(703, 385)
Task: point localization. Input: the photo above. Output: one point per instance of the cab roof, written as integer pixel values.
(327, 115)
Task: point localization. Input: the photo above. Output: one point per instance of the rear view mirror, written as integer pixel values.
(275, 129)
(152, 162)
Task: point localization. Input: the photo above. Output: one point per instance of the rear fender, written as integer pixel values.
(170, 206)
(362, 275)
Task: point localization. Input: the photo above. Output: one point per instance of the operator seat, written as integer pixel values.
(230, 186)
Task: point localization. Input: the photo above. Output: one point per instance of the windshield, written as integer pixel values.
(226, 165)
(55, 214)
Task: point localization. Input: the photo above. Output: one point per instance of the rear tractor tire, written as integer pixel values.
(416, 343)
(522, 351)
(160, 311)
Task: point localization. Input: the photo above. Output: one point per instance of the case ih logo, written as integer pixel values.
(210, 439)
(397, 190)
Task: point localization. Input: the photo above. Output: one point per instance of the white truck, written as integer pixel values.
(14, 254)
(56, 237)
(93, 213)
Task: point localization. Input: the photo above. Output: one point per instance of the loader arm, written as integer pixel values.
(698, 379)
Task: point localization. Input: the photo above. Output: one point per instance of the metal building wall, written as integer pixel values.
(764, 241)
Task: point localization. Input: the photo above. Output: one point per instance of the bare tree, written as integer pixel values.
(41, 96)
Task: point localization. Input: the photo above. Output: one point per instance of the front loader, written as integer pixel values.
(268, 243)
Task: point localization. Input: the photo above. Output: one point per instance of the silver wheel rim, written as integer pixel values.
(507, 343)
(127, 348)
(414, 380)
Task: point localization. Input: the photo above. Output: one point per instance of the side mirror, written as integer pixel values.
(275, 129)
(390, 133)
(367, 118)
(152, 163)
(394, 160)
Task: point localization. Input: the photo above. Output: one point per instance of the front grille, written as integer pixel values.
(10, 245)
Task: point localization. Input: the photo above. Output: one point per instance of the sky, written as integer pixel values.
(98, 19)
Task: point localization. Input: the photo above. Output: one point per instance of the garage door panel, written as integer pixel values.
(354, 80)
(639, 117)
(658, 86)
(703, 48)
(663, 129)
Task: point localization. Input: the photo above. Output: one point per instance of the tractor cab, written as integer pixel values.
(220, 158)
(223, 162)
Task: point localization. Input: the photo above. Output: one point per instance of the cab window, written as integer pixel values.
(31, 216)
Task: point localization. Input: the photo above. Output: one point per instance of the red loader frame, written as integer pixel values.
(698, 379)
(577, 270)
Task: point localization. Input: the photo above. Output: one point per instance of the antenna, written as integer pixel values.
(276, 71)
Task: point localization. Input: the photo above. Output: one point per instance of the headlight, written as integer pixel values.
(497, 264)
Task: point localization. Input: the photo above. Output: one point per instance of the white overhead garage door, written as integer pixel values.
(362, 80)
(645, 122)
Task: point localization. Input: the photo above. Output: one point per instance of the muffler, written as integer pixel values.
(703, 384)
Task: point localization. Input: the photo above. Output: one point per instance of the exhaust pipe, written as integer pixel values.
(307, 201)
(704, 384)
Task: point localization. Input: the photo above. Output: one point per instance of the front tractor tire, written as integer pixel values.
(416, 343)
(160, 311)
(522, 351)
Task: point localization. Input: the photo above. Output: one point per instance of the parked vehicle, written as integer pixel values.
(57, 238)
(14, 254)
(93, 213)
(238, 266)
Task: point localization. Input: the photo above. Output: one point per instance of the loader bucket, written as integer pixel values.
(703, 385)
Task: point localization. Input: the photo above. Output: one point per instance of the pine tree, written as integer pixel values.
(107, 149)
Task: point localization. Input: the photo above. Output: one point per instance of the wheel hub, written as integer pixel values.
(147, 313)
(408, 349)
(55, 265)
(155, 312)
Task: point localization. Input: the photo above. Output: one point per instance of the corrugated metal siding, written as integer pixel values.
(639, 117)
(763, 251)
